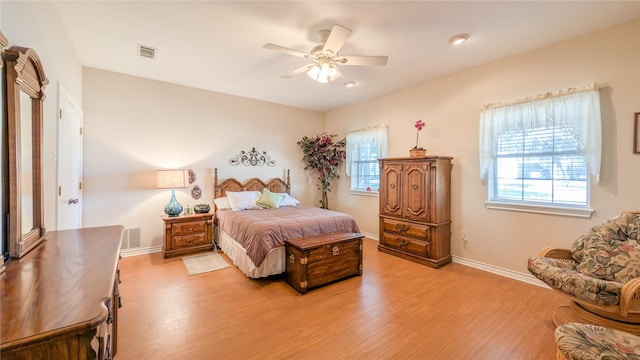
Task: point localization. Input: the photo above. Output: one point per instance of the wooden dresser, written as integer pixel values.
(60, 301)
(187, 234)
(415, 210)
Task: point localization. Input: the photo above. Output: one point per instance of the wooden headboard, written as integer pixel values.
(255, 184)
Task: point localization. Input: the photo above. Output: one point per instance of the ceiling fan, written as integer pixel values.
(325, 57)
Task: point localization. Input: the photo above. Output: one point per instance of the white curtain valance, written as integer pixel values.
(378, 134)
(577, 110)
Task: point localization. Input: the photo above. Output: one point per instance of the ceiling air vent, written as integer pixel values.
(147, 51)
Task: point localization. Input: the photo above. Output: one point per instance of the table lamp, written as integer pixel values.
(172, 179)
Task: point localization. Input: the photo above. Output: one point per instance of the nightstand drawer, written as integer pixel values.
(181, 241)
(190, 227)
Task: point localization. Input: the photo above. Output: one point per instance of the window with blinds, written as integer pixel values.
(543, 165)
(365, 171)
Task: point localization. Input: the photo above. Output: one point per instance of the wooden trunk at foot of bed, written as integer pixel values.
(318, 260)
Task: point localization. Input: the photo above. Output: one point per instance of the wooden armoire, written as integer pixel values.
(415, 209)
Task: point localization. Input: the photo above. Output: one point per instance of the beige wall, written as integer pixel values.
(451, 105)
(36, 25)
(135, 126)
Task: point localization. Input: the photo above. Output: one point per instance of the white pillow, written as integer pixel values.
(222, 203)
(243, 200)
(288, 200)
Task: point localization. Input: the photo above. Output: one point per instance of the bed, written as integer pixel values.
(253, 237)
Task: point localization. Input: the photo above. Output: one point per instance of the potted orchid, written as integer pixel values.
(323, 154)
(418, 151)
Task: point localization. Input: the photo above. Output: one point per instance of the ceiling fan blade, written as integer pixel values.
(284, 50)
(363, 60)
(336, 39)
(298, 71)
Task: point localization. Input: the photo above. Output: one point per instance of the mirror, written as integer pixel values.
(26, 164)
(25, 96)
(4, 179)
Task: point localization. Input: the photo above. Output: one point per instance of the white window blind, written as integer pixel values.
(545, 165)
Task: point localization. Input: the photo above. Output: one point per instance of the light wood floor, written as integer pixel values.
(396, 310)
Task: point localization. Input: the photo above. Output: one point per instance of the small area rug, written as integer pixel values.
(205, 262)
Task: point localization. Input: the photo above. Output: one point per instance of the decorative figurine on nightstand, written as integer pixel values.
(201, 208)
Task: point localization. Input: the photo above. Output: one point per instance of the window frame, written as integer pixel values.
(360, 191)
(577, 112)
(530, 206)
(377, 136)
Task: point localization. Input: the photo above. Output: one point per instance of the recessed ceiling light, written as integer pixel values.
(350, 84)
(458, 39)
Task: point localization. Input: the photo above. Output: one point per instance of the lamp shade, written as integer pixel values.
(172, 179)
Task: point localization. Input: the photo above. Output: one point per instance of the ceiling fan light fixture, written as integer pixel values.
(323, 73)
(458, 39)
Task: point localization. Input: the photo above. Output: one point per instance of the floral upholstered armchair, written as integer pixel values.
(600, 274)
(577, 341)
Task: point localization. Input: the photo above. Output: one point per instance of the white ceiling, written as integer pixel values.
(217, 45)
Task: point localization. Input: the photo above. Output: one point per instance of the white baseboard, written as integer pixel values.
(527, 278)
(140, 251)
(375, 237)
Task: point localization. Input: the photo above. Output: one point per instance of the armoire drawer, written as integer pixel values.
(414, 246)
(405, 228)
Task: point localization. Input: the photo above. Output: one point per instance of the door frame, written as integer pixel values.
(63, 94)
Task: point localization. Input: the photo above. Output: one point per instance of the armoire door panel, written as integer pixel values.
(391, 182)
(416, 192)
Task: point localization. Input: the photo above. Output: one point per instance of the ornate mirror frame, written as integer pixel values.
(25, 75)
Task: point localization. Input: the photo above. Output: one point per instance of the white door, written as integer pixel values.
(70, 120)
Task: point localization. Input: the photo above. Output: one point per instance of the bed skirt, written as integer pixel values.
(273, 264)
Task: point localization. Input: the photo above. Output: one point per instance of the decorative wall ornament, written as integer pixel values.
(252, 158)
(196, 192)
(192, 176)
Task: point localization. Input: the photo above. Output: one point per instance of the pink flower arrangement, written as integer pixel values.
(419, 125)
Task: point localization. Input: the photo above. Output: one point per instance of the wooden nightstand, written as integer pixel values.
(187, 234)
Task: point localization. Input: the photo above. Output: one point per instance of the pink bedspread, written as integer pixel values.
(260, 231)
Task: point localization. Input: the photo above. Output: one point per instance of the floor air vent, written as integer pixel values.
(131, 238)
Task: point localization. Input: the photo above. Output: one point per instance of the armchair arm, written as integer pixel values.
(630, 296)
(556, 253)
